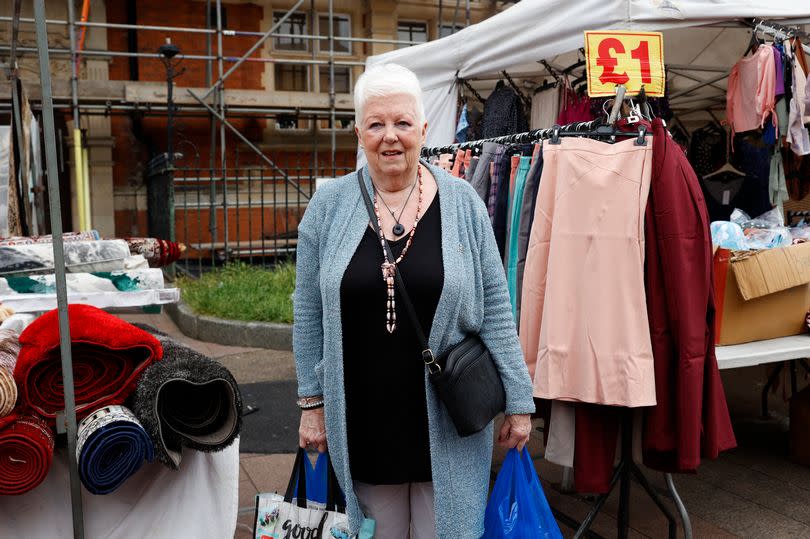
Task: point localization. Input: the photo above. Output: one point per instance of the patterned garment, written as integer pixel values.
(503, 113)
(492, 198)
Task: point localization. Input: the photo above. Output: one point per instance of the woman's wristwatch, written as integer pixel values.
(310, 403)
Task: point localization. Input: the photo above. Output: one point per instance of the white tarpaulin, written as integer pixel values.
(201, 499)
(532, 30)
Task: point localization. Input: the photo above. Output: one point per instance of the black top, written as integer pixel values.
(386, 410)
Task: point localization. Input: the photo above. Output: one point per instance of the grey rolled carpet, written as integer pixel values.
(187, 400)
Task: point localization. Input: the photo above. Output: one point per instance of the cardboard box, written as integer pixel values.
(761, 294)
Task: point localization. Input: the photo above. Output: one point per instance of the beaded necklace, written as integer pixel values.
(388, 267)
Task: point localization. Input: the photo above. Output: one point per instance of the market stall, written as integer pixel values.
(524, 170)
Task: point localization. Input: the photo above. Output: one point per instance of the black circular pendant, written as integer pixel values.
(398, 229)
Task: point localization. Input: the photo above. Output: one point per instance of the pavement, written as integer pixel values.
(753, 491)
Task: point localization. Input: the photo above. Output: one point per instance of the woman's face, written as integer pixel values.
(390, 135)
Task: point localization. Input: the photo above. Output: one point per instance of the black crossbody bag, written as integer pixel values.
(465, 377)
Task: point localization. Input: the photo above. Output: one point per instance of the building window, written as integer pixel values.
(342, 27)
(295, 24)
(411, 31)
(449, 29)
(291, 78)
(291, 121)
(342, 123)
(343, 76)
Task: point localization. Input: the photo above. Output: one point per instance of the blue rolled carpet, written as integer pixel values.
(112, 446)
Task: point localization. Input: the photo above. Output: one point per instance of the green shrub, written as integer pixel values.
(242, 292)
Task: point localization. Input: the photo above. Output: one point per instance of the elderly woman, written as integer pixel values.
(362, 384)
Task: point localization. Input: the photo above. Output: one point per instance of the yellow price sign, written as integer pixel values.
(634, 59)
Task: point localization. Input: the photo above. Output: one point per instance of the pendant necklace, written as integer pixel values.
(388, 267)
(398, 229)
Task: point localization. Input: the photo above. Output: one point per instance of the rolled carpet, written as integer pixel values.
(9, 350)
(109, 354)
(157, 252)
(111, 447)
(8, 392)
(26, 452)
(187, 399)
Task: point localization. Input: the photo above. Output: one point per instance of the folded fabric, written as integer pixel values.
(80, 256)
(26, 452)
(90, 235)
(82, 283)
(111, 447)
(156, 251)
(187, 399)
(109, 355)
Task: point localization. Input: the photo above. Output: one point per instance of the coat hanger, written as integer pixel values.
(755, 42)
(727, 167)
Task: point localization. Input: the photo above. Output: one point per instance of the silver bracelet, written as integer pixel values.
(307, 404)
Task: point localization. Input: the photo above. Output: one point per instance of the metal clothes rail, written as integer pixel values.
(627, 469)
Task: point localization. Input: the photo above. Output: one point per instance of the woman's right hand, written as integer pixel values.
(312, 431)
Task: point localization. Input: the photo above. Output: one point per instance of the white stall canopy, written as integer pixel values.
(702, 41)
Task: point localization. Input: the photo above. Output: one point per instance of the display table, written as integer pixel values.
(760, 352)
(795, 347)
(200, 499)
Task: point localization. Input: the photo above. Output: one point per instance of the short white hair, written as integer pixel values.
(384, 80)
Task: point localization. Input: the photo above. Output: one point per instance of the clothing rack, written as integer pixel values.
(626, 470)
(594, 129)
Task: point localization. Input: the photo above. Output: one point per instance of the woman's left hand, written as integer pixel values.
(515, 431)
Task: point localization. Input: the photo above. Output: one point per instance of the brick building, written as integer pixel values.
(278, 99)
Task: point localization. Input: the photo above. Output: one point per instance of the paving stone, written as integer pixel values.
(260, 366)
(270, 473)
(247, 493)
(734, 513)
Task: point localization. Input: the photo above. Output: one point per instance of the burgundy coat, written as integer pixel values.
(691, 418)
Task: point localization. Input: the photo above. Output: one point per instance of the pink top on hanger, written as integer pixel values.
(583, 320)
(751, 94)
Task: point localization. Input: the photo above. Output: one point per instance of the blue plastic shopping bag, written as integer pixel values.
(517, 507)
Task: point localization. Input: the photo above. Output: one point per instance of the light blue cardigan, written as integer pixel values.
(474, 299)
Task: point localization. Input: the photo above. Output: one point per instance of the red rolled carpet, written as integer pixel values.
(108, 357)
(26, 452)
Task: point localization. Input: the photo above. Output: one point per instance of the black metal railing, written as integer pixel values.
(250, 213)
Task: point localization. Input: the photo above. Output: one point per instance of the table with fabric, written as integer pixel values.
(201, 499)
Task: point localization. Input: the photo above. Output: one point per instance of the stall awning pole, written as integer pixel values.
(59, 264)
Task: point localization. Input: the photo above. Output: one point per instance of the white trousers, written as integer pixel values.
(400, 511)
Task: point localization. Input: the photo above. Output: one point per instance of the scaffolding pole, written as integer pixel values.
(217, 86)
(59, 267)
(195, 57)
(78, 155)
(252, 49)
(225, 32)
(239, 112)
(332, 126)
(220, 88)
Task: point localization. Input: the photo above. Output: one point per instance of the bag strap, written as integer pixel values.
(427, 353)
(334, 496)
(299, 477)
